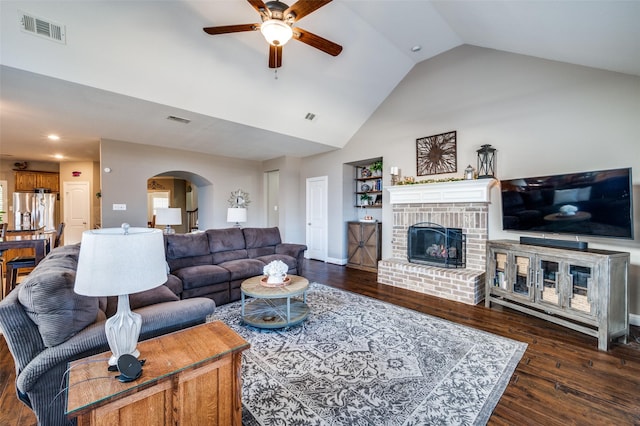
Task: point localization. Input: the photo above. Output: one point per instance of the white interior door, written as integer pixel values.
(317, 218)
(76, 211)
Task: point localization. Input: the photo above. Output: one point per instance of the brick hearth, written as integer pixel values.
(460, 204)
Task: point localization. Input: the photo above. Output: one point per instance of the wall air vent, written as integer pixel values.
(42, 27)
(179, 119)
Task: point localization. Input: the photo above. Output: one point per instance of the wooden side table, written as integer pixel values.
(191, 377)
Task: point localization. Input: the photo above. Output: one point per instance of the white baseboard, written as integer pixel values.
(634, 319)
(336, 261)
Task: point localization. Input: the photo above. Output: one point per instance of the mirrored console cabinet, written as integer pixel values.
(585, 290)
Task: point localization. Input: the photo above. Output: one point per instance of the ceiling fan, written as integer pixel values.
(277, 27)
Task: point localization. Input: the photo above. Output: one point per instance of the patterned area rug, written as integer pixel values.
(360, 361)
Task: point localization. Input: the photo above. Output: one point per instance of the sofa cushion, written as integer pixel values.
(225, 239)
(175, 264)
(153, 296)
(226, 256)
(261, 251)
(186, 245)
(290, 261)
(243, 268)
(174, 283)
(261, 237)
(49, 300)
(202, 275)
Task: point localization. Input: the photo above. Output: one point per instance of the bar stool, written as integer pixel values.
(22, 262)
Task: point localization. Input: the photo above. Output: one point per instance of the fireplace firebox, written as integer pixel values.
(435, 245)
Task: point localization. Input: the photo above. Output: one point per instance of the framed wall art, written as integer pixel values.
(436, 154)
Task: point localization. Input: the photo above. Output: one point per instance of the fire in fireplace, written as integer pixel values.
(432, 244)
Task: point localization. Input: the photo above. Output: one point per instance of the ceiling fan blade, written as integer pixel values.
(260, 7)
(304, 7)
(226, 29)
(275, 56)
(316, 41)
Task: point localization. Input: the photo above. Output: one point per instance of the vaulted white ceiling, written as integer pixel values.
(127, 65)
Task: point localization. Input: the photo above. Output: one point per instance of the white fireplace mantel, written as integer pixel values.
(461, 191)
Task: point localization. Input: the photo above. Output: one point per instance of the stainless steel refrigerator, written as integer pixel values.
(34, 210)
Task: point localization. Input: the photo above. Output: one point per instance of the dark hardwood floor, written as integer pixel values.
(562, 378)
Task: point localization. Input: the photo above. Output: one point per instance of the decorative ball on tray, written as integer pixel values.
(275, 274)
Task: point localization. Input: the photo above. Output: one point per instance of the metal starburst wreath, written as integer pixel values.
(436, 154)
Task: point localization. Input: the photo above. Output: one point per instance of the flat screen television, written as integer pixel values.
(597, 203)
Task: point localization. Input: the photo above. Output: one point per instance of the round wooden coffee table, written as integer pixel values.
(274, 307)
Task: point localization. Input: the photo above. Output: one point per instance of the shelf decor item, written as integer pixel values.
(376, 168)
(486, 162)
(365, 199)
(469, 173)
(436, 154)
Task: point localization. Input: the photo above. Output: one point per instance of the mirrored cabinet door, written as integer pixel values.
(581, 295)
(521, 281)
(500, 272)
(548, 282)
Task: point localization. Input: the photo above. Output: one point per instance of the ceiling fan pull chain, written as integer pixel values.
(276, 62)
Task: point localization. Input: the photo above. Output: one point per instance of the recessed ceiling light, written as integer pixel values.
(59, 156)
(416, 48)
(53, 137)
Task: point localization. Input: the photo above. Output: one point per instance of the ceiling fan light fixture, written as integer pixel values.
(276, 32)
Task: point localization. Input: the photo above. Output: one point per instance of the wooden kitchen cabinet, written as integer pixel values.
(29, 180)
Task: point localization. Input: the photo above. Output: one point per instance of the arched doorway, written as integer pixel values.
(178, 189)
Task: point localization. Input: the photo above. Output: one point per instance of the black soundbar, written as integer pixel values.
(547, 242)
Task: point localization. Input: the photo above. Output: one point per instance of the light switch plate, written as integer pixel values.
(119, 207)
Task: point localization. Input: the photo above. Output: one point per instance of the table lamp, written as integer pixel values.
(169, 216)
(118, 262)
(237, 215)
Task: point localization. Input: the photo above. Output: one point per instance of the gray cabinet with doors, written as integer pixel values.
(585, 290)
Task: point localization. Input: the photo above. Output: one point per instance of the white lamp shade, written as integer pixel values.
(276, 32)
(169, 216)
(113, 263)
(236, 214)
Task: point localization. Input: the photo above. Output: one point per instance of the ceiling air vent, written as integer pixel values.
(42, 27)
(179, 119)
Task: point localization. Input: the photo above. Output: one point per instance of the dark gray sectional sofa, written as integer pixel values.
(214, 263)
(46, 324)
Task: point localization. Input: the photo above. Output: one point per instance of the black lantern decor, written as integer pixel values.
(486, 162)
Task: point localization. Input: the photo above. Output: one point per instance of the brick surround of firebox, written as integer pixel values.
(462, 204)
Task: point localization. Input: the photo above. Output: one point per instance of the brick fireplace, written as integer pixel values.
(458, 204)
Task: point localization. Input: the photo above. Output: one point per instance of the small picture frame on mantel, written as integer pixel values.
(436, 154)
